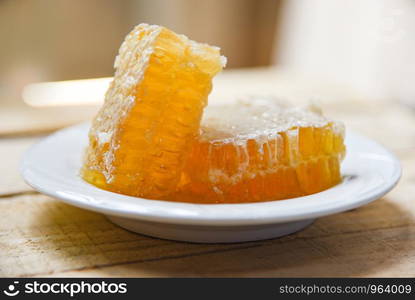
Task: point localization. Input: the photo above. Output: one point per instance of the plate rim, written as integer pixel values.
(174, 218)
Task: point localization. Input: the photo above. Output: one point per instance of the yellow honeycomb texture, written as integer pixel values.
(149, 140)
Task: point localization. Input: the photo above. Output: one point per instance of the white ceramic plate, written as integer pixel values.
(52, 167)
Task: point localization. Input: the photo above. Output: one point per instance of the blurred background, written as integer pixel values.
(364, 48)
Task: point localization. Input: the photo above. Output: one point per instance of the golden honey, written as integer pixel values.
(149, 139)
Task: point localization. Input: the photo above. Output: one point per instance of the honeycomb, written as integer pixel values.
(260, 150)
(141, 137)
(149, 139)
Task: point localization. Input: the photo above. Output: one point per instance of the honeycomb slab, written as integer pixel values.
(259, 150)
(142, 135)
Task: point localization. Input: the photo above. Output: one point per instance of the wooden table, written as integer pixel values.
(40, 236)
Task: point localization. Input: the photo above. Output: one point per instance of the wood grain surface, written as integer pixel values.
(40, 236)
